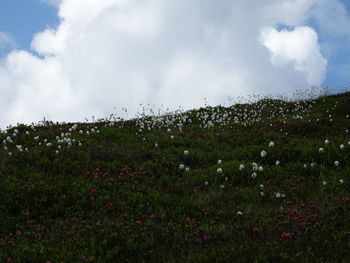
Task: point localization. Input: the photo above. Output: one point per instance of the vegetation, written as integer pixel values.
(261, 182)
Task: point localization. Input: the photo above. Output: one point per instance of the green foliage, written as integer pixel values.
(182, 187)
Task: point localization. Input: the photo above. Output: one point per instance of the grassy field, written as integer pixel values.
(261, 182)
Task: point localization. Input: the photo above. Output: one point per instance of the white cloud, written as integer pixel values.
(119, 53)
(300, 47)
(55, 3)
(6, 41)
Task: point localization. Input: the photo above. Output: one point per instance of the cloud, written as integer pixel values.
(120, 53)
(299, 47)
(6, 42)
(55, 3)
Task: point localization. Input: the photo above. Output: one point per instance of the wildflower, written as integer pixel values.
(182, 166)
(206, 237)
(277, 163)
(255, 166)
(219, 161)
(19, 148)
(278, 195)
(254, 175)
(341, 181)
(286, 235)
(93, 191)
(138, 222)
(241, 167)
(324, 183)
(342, 147)
(239, 213)
(98, 224)
(187, 169)
(326, 141)
(320, 150)
(261, 169)
(152, 216)
(222, 186)
(255, 230)
(186, 152)
(172, 137)
(170, 225)
(336, 163)
(206, 183)
(262, 194)
(263, 154)
(219, 171)
(271, 144)
(82, 257)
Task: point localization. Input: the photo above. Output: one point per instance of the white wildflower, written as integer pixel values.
(263, 154)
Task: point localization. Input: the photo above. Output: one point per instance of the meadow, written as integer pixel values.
(267, 181)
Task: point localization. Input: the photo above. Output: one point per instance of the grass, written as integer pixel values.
(125, 191)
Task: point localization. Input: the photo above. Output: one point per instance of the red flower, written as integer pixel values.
(286, 235)
(82, 257)
(152, 216)
(108, 204)
(93, 191)
(255, 230)
(170, 225)
(138, 222)
(206, 237)
(10, 260)
(346, 234)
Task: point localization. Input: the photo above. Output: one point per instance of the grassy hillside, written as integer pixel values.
(262, 182)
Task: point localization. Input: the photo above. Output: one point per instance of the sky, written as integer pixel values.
(67, 60)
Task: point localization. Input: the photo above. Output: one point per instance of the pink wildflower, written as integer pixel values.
(206, 237)
(255, 230)
(170, 225)
(82, 257)
(10, 260)
(286, 235)
(138, 222)
(152, 216)
(93, 191)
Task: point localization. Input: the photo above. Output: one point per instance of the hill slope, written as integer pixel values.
(262, 182)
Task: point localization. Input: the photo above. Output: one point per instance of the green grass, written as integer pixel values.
(120, 196)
